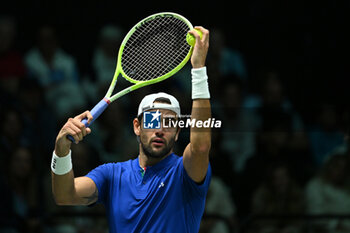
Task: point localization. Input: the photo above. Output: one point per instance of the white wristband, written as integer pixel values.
(61, 165)
(200, 87)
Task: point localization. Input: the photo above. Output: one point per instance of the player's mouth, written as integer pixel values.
(158, 142)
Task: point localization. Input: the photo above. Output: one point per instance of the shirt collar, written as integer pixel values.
(164, 163)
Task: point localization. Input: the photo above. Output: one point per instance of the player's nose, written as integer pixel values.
(159, 132)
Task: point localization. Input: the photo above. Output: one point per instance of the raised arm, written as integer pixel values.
(66, 189)
(196, 154)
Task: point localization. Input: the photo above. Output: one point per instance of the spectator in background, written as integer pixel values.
(278, 195)
(11, 134)
(19, 198)
(272, 99)
(104, 60)
(272, 146)
(105, 56)
(12, 69)
(325, 135)
(56, 72)
(118, 141)
(271, 94)
(218, 205)
(223, 59)
(328, 193)
(238, 141)
(39, 126)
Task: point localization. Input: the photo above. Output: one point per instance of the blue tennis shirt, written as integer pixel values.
(165, 199)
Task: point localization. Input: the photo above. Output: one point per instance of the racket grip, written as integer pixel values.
(95, 112)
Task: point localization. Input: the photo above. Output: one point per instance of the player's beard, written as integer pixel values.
(149, 152)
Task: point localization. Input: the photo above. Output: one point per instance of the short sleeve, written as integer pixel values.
(192, 186)
(101, 176)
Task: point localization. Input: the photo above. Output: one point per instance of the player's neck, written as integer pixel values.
(146, 161)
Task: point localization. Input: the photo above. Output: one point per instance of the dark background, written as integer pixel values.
(305, 42)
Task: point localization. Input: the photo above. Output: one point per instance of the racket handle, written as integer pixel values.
(95, 112)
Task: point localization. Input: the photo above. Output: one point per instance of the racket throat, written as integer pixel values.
(106, 100)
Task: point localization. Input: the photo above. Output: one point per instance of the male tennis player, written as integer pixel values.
(159, 191)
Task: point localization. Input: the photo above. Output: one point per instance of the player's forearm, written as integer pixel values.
(62, 175)
(63, 188)
(200, 138)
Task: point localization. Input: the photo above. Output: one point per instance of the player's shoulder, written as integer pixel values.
(175, 161)
(177, 158)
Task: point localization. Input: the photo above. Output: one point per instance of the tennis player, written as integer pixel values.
(158, 191)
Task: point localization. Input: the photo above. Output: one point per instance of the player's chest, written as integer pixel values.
(136, 195)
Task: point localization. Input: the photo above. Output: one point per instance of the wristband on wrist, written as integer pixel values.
(200, 87)
(61, 165)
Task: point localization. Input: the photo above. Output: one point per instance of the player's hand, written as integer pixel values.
(76, 129)
(200, 49)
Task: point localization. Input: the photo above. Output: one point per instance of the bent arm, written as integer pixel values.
(66, 189)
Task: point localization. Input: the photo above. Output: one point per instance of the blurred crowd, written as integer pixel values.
(270, 158)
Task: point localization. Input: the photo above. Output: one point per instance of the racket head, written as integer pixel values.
(155, 49)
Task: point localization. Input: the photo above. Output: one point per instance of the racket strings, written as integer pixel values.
(148, 46)
(155, 48)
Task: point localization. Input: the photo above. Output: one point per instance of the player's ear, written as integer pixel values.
(137, 126)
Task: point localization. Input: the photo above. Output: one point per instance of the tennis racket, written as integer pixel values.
(152, 51)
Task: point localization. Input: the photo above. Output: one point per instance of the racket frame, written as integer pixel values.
(139, 84)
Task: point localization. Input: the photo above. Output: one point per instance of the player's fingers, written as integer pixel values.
(88, 130)
(80, 125)
(77, 128)
(204, 31)
(195, 34)
(85, 115)
(89, 116)
(69, 130)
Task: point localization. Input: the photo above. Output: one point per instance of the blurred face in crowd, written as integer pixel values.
(232, 96)
(281, 180)
(276, 138)
(110, 46)
(337, 171)
(218, 38)
(7, 33)
(328, 117)
(21, 163)
(47, 42)
(11, 126)
(273, 91)
(110, 40)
